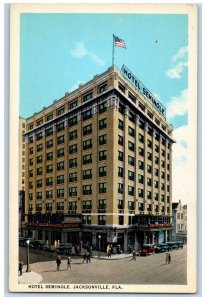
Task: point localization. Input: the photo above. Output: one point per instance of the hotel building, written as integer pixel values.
(99, 164)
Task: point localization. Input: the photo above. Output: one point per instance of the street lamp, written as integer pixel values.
(99, 237)
(28, 266)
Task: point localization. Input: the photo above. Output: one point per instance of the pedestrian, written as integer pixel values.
(108, 251)
(133, 255)
(88, 257)
(69, 265)
(169, 258)
(84, 257)
(20, 267)
(58, 262)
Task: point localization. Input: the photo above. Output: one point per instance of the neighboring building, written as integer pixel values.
(99, 163)
(21, 183)
(179, 216)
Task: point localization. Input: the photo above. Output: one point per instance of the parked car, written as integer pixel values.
(23, 242)
(38, 244)
(160, 248)
(172, 245)
(146, 249)
(64, 248)
(179, 245)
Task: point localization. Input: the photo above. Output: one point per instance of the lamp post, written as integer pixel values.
(99, 237)
(28, 266)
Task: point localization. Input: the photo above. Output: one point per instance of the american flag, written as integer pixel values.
(118, 42)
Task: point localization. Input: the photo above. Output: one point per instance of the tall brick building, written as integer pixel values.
(99, 162)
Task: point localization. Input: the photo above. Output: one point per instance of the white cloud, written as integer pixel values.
(178, 63)
(80, 51)
(181, 54)
(181, 179)
(178, 106)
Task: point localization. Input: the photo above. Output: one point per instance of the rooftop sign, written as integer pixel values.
(143, 90)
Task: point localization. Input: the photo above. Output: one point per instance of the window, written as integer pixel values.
(60, 166)
(31, 162)
(73, 121)
(60, 139)
(87, 144)
(162, 186)
(87, 129)
(131, 160)
(73, 177)
(49, 117)
(141, 165)
(102, 204)
(131, 97)
(156, 160)
(87, 97)
(141, 206)
(121, 220)
(39, 171)
(120, 172)
(60, 152)
(86, 219)
(140, 193)
(149, 207)
(120, 204)
(130, 205)
(38, 207)
(30, 196)
(60, 111)
(156, 172)
(87, 204)
(39, 147)
(120, 140)
(73, 149)
(72, 162)
(162, 163)
(102, 171)
(101, 220)
(156, 184)
(130, 190)
(102, 124)
(168, 156)
(39, 136)
(149, 169)
(49, 181)
(168, 167)
(87, 189)
(49, 156)
(87, 174)
(168, 177)
(102, 155)
(31, 126)
(131, 175)
(131, 146)
(31, 150)
(120, 188)
(102, 187)
(73, 104)
(102, 88)
(157, 148)
(60, 127)
(39, 159)
(49, 195)
(141, 138)
(163, 175)
(30, 185)
(102, 107)
(39, 122)
(48, 206)
(60, 206)
(120, 124)
(131, 131)
(60, 193)
(49, 144)
(39, 183)
(156, 197)
(141, 179)
(132, 117)
(121, 87)
(39, 195)
(149, 143)
(49, 168)
(141, 106)
(73, 135)
(72, 205)
(141, 151)
(102, 139)
(149, 155)
(149, 181)
(87, 114)
(163, 152)
(150, 114)
(30, 207)
(60, 179)
(120, 156)
(87, 159)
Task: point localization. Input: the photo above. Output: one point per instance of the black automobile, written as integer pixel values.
(161, 248)
(38, 244)
(64, 248)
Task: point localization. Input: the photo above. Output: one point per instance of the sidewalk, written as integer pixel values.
(29, 277)
(103, 255)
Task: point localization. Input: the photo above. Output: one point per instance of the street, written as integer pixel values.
(145, 270)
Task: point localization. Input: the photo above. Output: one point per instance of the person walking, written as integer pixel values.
(69, 265)
(84, 257)
(167, 258)
(58, 262)
(88, 257)
(20, 267)
(133, 255)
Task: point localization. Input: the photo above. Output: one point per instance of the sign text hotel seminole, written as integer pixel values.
(99, 163)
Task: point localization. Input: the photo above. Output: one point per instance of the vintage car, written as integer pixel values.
(145, 250)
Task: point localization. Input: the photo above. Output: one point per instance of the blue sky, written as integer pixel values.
(60, 51)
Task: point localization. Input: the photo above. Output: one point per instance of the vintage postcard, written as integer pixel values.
(103, 148)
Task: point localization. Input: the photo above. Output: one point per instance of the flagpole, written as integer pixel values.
(113, 52)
